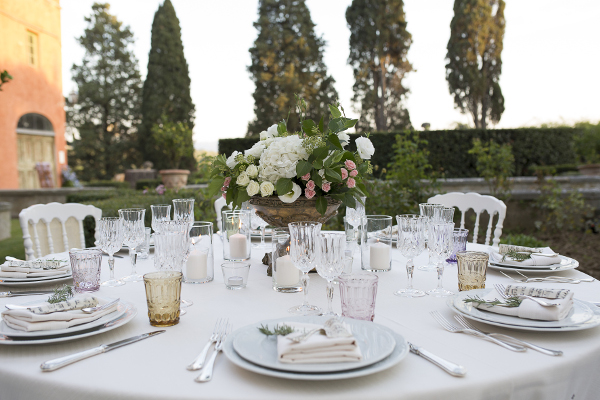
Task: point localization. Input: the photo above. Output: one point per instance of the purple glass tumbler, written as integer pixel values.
(460, 243)
(358, 293)
(85, 265)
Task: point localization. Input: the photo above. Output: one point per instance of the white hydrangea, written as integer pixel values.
(256, 150)
(253, 188)
(365, 148)
(280, 158)
(243, 179)
(252, 171)
(231, 163)
(266, 189)
(293, 195)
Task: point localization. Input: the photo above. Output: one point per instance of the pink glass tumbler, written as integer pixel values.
(85, 265)
(358, 293)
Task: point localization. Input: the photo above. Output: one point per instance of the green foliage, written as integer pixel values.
(287, 59)
(149, 184)
(203, 170)
(115, 184)
(388, 198)
(166, 88)
(5, 77)
(13, 246)
(474, 59)
(561, 212)
(109, 86)
(379, 44)
(410, 164)
(587, 143)
(495, 163)
(91, 195)
(522, 240)
(174, 142)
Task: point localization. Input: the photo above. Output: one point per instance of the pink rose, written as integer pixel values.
(306, 177)
(227, 181)
(310, 185)
(309, 193)
(353, 173)
(223, 188)
(351, 183)
(326, 187)
(350, 164)
(344, 173)
(225, 196)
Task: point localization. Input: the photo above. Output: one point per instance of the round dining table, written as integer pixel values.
(156, 368)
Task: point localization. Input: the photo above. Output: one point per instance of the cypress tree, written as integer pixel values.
(379, 44)
(167, 86)
(474, 59)
(287, 59)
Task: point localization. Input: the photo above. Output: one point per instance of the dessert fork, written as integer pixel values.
(199, 361)
(207, 372)
(451, 328)
(502, 291)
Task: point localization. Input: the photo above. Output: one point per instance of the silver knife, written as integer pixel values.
(57, 363)
(30, 293)
(449, 367)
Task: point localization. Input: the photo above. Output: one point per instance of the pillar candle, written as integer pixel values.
(238, 246)
(285, 272)
(379, 256)
(197, 265)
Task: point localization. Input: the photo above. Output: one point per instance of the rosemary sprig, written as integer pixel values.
(516, 256)
(510, 302)
(277, 331)
(63, 293)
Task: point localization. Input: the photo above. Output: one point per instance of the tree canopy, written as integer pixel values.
(379, 44)
(287, 60)
(109, 86)
(474, 59)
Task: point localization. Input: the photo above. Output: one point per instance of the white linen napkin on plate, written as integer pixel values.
(317, 349)
(533, 262)
(8, 271)
(529, 309)
(25, 320)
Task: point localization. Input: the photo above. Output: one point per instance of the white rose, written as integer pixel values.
(231, 163)
(365, 148)
(243, 179)
(263, 135)
(252, 171)
(344, 138)
(321, 173)
(253, 188)
(266, 189)
(255, 150)
(293, 195)
(272, 131)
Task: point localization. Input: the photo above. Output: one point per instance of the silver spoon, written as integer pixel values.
(90, 310)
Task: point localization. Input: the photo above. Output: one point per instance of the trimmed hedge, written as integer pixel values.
(115, 184)
(449, 150)
(150, 184)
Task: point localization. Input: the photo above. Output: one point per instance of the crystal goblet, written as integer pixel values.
(110, 230)
(133, 235)
(331, 263)
(305, 252)
(411, 243)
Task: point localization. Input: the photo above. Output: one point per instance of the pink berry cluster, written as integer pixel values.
(225, 186)
(353, 172)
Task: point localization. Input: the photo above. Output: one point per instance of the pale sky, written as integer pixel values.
(551, 58)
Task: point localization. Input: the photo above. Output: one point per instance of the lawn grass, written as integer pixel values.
(13, 246)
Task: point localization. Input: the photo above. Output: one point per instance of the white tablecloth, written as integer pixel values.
(155, 368)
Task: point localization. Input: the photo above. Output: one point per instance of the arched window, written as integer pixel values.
(35, 124)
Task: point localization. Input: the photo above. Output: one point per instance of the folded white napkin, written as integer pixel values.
(25, 320)
(533, 262)
(529, 309)
(23, 272)
(317, 349)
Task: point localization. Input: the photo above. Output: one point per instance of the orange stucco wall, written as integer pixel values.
(33, 89)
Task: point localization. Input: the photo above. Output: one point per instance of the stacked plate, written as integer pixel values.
(123, 314)
(37, 281)
(584, 315)
(381, 348)
(566, 263)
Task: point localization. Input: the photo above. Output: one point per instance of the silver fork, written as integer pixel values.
(555, 279)
(463, 321)
(199, 361)
(207, 372)
(502, 291)
(451, 328)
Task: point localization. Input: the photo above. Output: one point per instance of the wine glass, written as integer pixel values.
(411, 243)
(110, 230)
(441, 244)
(427, 210)
(305, 252)
(331, 264)
(183, 209)
(133, 235)
(160, 212)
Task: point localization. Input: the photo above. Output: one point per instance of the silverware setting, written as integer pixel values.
(466, 324)
(447, 325)
(556, 279)
(30, 293)
(207, 371)
(450, 367)
(219, 328)
(87, 310)
(502, 291)
(332, 328)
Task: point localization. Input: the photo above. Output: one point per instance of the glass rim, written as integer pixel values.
(364, 276)
(411, 216)
(132, 209)
(378, 217)
(183, 200)
(160, 205)
(202, 223)
(149, 276)
(90, 251)
(461, 230)
(110, 219)
(471, 253)
(304, 223)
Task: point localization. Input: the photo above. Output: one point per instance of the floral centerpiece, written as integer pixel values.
(312, 164)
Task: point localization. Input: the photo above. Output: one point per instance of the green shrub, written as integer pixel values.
(522, 240)
(587, 143)
(92, 195)
(115, 184)
(149, 184)
(561, 212)
(495, 163)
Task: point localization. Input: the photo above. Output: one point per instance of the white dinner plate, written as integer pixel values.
(8, 331)
(565, 265)
(55, 279)
(128, 315)
(399, 352)
(39, 278)
(375, 344)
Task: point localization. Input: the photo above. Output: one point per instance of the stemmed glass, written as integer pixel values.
(331, 265)
(160, 212)
(411, 243)
(183, 209)
(133, 235)
(441, 244)
(110, 230)
(305, 252)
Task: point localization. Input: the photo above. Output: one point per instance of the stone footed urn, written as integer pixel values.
(174, 178)
(279, 214)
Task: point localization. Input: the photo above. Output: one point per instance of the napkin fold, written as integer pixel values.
(529, 309)
(28, 321)
(534, 261)
(317, 349)
(24, 272)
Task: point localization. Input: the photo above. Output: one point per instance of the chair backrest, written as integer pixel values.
(219, 204)
(478, 203)
(62, 230)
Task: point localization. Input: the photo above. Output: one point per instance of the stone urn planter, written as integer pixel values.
(174, 178)
(589, 169)
(279, 214)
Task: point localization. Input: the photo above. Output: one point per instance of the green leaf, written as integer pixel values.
(231, 194)
(327, 162)
(349, 200)
(332, 176)
(349, 123)
(281, 128)
(317, 164)
(362, 168)
(335, 112)
(214, 187)
(284, 186)
(320, 153)
(308, 126)
(337, 157)
(321, 205)
(242, 196)
(335, 141)
(303, 168)
(335, 125)
(362, 188)
(316, 178)
(322, 124)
